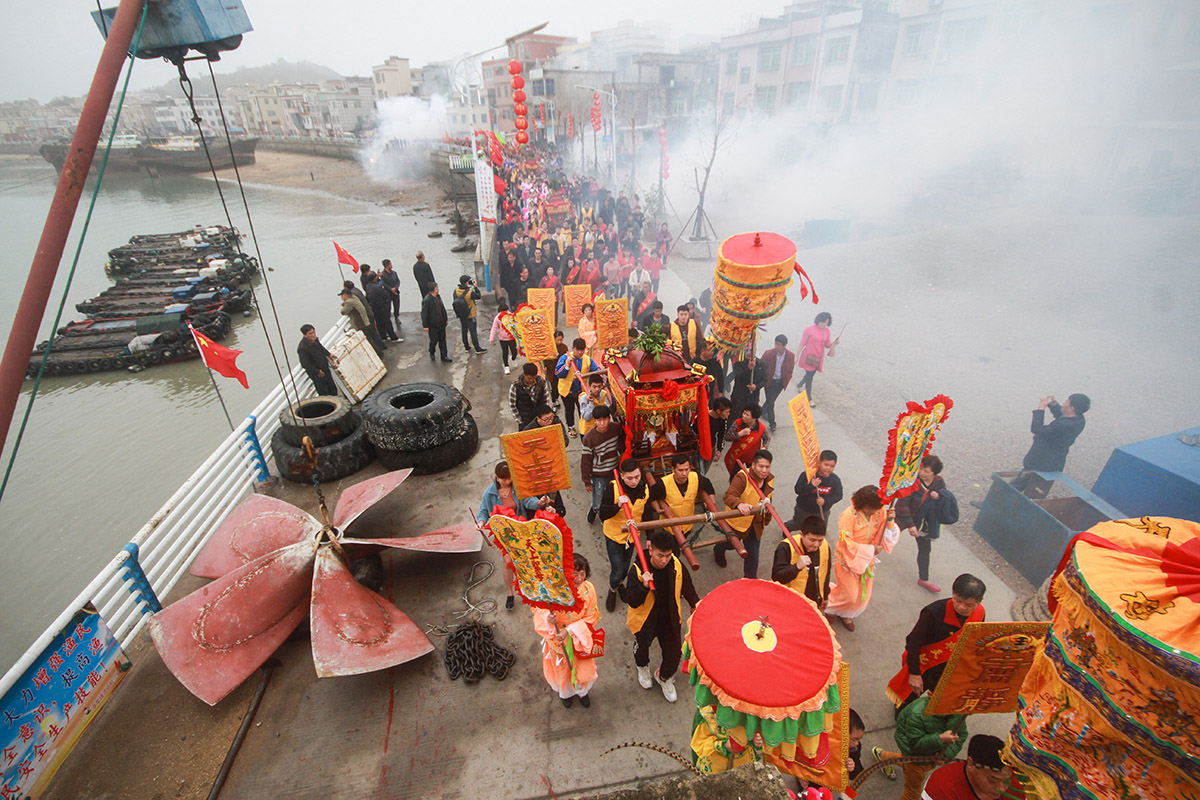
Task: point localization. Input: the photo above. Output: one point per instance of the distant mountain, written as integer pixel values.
(279, 72)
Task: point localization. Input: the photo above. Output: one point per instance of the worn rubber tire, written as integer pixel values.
(334, 461)
(324, 418)
(436, 459)
(413, 416)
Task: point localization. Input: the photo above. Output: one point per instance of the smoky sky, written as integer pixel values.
(50, 48)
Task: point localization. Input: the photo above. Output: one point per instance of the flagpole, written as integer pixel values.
(217, 389)
(342, 272)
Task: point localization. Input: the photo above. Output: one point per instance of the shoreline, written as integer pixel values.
(342, 178)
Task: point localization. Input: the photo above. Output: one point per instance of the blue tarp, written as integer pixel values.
(1156, 477)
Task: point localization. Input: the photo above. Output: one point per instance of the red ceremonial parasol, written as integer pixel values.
(274, 563)
(765, 657)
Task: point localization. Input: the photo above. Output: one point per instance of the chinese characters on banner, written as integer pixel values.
(48, 708)
(539, 549)
(538, 461)
(545, 300)
(907, 444)
(575, 296)
(612, 323)
(485, 191)
(535, 331)
(806, 433)
(986, 669)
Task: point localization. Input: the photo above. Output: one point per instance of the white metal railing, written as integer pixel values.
(463, 162)
(169, 541)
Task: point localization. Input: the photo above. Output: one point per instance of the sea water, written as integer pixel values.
(102, 452)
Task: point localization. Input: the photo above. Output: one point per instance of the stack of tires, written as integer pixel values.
(423, 426)
(336, 432)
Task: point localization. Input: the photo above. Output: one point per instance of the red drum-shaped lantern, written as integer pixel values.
(518, 96)
(520, 109)
(522, 137)
(514, 67)
(521, 123)
(518, 82)
(570, 125)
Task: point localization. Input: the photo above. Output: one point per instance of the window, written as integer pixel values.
(744, 77)
(831, 98)
(679, 105)
(728, 106)
(804, 51)
(764, 99)
(731, 64)
(963, 34)
(918, 39)
(549, 87)
(867, 97)
(666, 73)
(537, 87)
(769, 58)
(837, 51)
(797, 94)
(905, 92)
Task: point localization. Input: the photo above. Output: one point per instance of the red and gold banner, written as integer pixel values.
(908, 441)
(986, 668)
(575, 297)
(806, 433)
(535, 332)
(538, 460)
(612, 323)
(540, 550)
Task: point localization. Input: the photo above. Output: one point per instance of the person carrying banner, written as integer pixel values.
(527, 393)
(820, 494)
(808, 572)
(928, 645)
(618, 539)
(566, 673)
(658, 613)
(923, 513)
(743, 496)
(501, 493)
(865, 529)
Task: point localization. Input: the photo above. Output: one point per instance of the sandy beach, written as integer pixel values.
(340, 177)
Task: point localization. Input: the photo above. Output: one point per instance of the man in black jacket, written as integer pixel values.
(527, 393)
(1048, 453)
(390, 280)
(423, 273)
(381, 304)
(433, 320)
(822, 493)
(314, 358)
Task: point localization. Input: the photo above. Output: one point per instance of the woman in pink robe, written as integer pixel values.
(587, 328)
(864, 529)
(556, 626)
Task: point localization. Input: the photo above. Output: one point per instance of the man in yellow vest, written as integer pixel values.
(618, 541)
(742, 496)
(685, 334)
(657, 613)
(807, 572)
(676, 494)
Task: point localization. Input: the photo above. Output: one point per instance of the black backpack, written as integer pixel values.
(461, 309)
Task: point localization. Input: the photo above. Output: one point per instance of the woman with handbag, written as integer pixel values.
(811, 354)
(571, 642)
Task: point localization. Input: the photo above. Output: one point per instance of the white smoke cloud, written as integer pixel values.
(403, 126)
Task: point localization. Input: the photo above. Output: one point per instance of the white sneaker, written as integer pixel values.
(644, 679)
(668, 688)
(506, 370)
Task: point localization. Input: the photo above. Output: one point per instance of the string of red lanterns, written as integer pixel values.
(520, 110)
(596, 112)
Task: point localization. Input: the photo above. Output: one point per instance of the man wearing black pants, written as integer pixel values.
(314, 358)
(779, 363)
(657, 613)
(923, 513)
(570, 367)
(391, 282)
(433, 320)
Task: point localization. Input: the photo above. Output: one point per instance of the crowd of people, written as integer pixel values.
(602, 241)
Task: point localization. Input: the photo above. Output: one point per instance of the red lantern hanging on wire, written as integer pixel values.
(514, 67)
(520, 109)
(518, 82)
(521, 123)
(570, 126)
(518, 96)
(522, 137)
(542, 113)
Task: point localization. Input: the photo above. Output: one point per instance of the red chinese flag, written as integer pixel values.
(344, 257)
(220, 359)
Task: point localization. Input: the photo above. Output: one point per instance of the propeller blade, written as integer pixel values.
(257, 526)
(361, 496)
(355, 630)
(463, 538)
(216, 637)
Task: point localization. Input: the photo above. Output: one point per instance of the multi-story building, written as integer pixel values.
(531, 49)
(346, 105)
(826, 60)
(393, 78)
